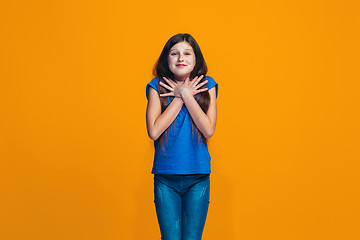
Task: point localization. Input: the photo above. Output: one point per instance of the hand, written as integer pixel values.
(178, 89)
(194, 88)
(175, 88)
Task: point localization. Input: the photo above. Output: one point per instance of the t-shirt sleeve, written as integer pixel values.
(211, 83)
(154, 84)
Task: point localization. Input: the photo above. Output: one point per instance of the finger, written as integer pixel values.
(193, 81)
(201, 90)
(198, 79)
(201, 77)
(167, 94)
(169, 81)
(201, 84)
(166, 86)
(173, 82)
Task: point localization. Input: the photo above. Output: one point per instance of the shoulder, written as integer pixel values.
(211, 83)
(154, 84)
(154, 81)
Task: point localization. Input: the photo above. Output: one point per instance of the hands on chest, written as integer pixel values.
(180, 89)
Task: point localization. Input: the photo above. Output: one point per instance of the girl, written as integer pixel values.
(180, 116)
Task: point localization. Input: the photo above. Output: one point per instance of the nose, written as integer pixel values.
(181, 58)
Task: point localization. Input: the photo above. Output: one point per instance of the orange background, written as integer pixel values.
(75, 155)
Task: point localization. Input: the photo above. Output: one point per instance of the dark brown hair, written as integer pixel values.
(161, 69)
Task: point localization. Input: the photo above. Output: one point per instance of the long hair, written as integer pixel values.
(161, 69)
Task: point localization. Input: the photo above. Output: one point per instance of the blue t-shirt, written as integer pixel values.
(182, 154)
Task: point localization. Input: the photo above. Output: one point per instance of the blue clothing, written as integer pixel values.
(182, 154)
(181, 203)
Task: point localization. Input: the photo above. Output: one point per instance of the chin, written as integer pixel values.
(182, 73)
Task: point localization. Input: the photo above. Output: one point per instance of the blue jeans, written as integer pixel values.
(181, 203)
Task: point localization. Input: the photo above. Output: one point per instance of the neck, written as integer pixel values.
(180, 79)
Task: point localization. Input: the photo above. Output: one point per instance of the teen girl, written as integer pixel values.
(180, 116)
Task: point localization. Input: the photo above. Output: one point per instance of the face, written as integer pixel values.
(181, 60)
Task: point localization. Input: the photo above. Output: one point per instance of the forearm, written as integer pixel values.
(200, 119)
(166, 118)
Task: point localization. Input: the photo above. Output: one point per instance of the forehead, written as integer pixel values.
(182, 46)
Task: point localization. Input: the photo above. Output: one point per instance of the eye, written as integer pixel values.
(187, 53)
(174, 53)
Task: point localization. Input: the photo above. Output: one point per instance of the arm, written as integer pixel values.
(156, 121)
(204, 122)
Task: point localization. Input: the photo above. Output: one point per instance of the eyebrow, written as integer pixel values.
(177, 49)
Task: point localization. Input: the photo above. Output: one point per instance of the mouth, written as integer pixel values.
(180, 65)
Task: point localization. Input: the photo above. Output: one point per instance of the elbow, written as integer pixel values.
(209, 134)
(153, 136)
(153, 132)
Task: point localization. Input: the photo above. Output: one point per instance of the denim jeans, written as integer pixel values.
(181, 203)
